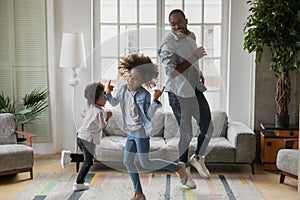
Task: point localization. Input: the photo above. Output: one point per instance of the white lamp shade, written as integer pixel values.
(72, 53)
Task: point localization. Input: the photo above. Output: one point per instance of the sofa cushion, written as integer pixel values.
(158, 123)
(218, 150)
(112, 148)
(220, 123)
(172, 129)
(114, 126)
(7, 129)
(15, 156)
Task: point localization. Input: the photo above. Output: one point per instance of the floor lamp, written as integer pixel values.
(73, 56)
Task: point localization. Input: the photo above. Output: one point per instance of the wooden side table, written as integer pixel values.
(272, 140)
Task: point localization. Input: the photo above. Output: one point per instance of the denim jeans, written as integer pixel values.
(88, 149)
(140, 146)
(184, 109)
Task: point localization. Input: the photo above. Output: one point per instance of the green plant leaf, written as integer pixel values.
(275, 24)
(33, 105)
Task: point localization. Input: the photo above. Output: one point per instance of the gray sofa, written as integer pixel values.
(15, 158)
(232, 142)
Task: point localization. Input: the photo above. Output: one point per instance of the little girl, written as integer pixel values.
(137, 111)
(90, 132)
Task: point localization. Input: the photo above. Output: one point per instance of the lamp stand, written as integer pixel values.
(74, 81)
(73, 55)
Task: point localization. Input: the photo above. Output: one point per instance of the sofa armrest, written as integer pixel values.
(244, 141)
(27, 135)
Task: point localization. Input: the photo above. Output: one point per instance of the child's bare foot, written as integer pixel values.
(181, 172)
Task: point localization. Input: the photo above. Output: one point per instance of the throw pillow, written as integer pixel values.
(220, 123)
(114, 126)
(171, 127)
(158, 123)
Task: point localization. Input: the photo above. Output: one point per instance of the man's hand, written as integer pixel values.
(158, 93)
(109, 87)
(202, 79)
(199, 52)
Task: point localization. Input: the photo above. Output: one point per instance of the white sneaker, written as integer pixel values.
(190, 181)
(80, 186)
(65, 158)
(198, 162)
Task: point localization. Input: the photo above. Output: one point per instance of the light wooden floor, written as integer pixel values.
(267, 182)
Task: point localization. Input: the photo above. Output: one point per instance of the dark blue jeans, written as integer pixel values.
(88, 149)
(184, 109)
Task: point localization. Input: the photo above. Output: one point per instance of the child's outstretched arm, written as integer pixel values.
(109, 88)
(156, 103)
(108, 96)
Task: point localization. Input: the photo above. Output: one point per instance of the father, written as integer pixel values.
(185, 87)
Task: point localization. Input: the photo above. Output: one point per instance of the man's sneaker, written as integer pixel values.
(190, 182)
(65, 158)
(80, 186)
(198, 162)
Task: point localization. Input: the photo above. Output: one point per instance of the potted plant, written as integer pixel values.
(276, 24)
(33, 105)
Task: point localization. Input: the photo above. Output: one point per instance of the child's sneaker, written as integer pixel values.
(80, 186)
(65, 158)
(181, 169)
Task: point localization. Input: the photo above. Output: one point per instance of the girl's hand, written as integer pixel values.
(158, 93)
(109, 87)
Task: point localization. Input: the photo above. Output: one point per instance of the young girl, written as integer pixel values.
(137, 111)
(90, 132)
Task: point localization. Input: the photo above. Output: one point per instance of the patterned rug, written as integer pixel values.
(156, 186)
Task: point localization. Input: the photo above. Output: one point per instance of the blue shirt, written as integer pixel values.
(173, 51)
(142, 99)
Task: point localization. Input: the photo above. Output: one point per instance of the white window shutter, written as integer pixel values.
(23, 55)
(5, 67)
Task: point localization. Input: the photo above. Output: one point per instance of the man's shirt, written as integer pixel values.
(174, 51)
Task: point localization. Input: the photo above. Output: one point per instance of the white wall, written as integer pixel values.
(240, 72)
(70, 16)
(65, 16)
(75, 16)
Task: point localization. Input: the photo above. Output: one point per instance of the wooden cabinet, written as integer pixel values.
(271, 141)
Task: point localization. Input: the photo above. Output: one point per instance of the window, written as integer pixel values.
(123, 27)
(23, 55)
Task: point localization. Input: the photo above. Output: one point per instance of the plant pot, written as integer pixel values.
(282, 121)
